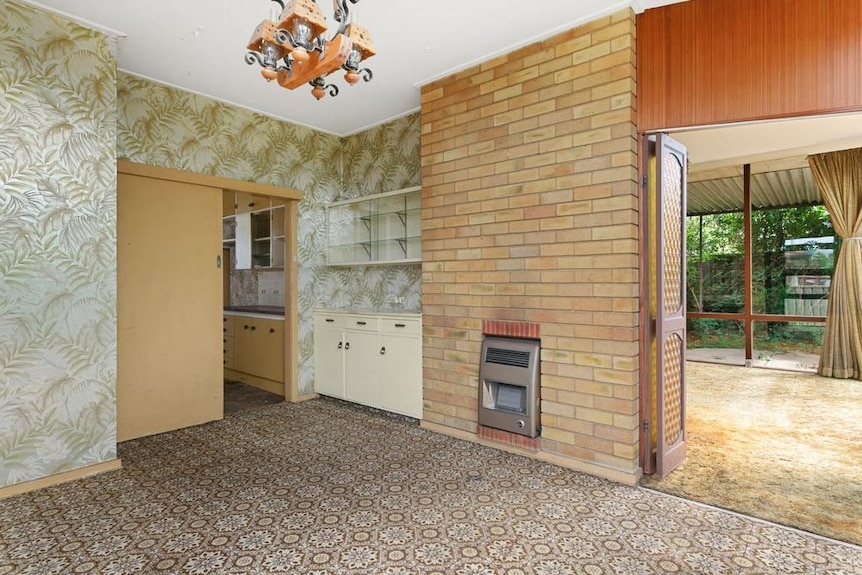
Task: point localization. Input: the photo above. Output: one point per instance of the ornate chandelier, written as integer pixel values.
(293, 51)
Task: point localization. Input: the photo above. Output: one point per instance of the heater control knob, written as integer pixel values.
(521, 424)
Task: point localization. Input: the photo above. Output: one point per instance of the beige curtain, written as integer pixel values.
(839, 177)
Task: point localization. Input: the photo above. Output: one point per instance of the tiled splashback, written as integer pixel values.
(270, 288)
(256, 287)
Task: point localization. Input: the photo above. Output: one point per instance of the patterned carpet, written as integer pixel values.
(327, 488)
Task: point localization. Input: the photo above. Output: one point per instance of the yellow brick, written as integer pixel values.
(558, 435)
(509, 92)
(576, 399)
(594, 415)
(618, 377)
(574, 208)
(627, 451)
(594, 388)
(556, 223)
(574, 45)
(592, 53)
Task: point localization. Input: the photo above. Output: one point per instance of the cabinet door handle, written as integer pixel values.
(382, 351)
(272, 330)
(361, 323)
(347, 345)
(245, 327)
(253, 328)
(330, 320)
(340, 345)
(400, 325)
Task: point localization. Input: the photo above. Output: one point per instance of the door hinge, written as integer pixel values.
(646, 426)
(644, 182)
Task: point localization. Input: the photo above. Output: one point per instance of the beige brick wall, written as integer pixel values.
(530, 213)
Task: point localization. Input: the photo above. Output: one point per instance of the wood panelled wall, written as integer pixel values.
(705, 62)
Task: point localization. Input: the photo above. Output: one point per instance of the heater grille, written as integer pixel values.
(512, 357)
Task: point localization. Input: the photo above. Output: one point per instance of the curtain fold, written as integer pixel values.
(839, 177)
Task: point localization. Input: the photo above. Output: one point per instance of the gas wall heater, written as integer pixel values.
(509, 385)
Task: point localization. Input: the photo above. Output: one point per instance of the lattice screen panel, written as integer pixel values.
(671, 215)
(673, 388)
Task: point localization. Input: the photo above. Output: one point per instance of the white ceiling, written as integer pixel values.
(199, 45)
(710, 148)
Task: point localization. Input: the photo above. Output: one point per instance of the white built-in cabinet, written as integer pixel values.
(254, 229)
(380, 229)
(369, 358)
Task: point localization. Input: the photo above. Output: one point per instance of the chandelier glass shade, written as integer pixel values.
(292, 49)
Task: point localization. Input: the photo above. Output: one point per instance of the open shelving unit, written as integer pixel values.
(380, 229)
(256, 232)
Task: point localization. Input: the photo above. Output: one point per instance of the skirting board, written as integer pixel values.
(545, 456)
(59, 478)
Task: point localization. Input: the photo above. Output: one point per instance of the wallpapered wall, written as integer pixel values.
(167, 127)
(57, 245)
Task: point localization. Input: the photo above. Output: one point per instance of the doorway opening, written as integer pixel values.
(776, 443)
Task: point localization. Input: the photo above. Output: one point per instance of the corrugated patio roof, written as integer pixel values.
(774, 184)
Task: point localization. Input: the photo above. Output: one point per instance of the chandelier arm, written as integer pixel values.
(253, 57)
(366, 74)
(284, 36)
(341, 14)
(320, 46)
(280, 3)
(333, 89)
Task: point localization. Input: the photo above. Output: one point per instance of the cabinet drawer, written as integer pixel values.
(362, 323)
(332, 321)
(400, 326)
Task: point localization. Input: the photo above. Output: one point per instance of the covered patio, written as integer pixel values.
(765, 243)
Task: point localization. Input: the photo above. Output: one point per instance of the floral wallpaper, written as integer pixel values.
(167, 127)
(58, 356)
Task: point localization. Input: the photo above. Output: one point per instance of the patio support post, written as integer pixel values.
(748, 324)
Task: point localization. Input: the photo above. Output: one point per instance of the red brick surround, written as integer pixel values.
(510, 328)
(509, 438)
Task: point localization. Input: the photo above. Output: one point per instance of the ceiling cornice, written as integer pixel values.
(82, 21)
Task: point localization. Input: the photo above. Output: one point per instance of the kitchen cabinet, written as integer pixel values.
(256, 231)
(362, 362)
(329, 354)
(371, 359)
(258, 352)
(379, 229)
(401, 346)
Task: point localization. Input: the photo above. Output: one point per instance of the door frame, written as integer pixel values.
(292, 198)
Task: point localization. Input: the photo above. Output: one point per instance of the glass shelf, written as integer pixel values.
(256, 234)
(383, 228)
